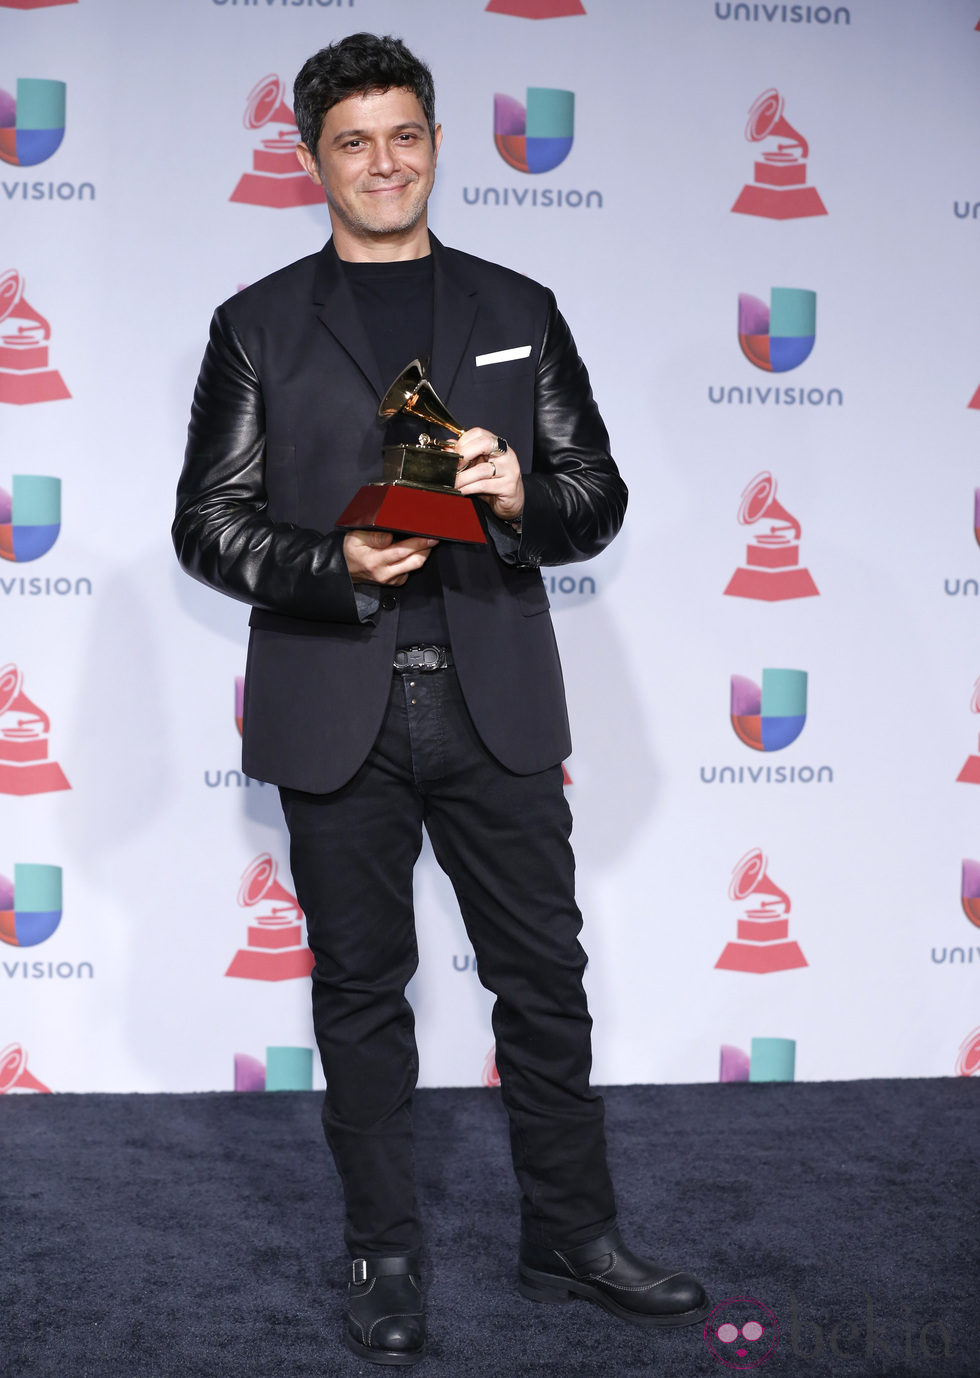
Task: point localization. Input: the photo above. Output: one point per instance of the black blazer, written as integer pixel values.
(283, 431)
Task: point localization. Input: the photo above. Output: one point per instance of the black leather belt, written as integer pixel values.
(423, 658)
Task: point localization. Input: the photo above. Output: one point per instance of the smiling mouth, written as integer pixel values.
(389, 186)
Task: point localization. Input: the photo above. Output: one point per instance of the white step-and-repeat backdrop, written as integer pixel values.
(762, 222)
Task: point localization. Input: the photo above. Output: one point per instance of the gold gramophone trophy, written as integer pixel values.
(416, 493)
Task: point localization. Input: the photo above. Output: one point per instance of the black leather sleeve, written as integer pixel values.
(574, 498)
(222, 532)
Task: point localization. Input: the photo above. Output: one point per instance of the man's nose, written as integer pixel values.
(384, 162)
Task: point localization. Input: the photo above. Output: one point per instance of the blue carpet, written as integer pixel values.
(200, 1235)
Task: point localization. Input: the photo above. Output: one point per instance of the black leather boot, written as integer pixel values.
(385, 1318)
(607, 1272)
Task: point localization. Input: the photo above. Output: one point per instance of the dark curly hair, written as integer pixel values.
(353, 66)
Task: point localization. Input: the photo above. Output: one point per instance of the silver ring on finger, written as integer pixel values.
(493, 469)
(500, 448)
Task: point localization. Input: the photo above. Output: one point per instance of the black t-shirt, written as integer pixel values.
(395, 305)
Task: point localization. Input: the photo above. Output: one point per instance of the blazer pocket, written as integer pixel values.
(508, 372)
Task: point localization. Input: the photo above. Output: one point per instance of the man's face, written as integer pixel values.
(376, 163)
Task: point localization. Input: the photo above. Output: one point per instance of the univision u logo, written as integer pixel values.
(538, 137)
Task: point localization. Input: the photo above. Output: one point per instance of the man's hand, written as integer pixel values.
(376, 557)
(496, 479)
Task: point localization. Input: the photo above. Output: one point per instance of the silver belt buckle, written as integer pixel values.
(359, 1271)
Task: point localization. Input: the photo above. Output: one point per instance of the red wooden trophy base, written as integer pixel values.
(402, 507)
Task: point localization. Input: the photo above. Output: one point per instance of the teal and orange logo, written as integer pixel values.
(772, 717)
(32, 123)
(536, 137)
(30, 905)
(779, 336)
(30, 517)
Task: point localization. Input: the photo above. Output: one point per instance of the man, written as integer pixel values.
(397, 681)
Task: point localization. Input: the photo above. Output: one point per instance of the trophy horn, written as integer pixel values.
(411, 394)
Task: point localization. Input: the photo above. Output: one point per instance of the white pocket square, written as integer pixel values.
(502, 356)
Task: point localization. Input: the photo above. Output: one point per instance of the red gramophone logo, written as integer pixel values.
(276, 950)
(33, 4)
(490, 1076)
(968, 1057)
(536, 9)
(239, 702)
(24, 747)
(772, 568)
(14, 1075)
(762, 944)
(24, 333)
(276, 178)
(970, 774)
(779, 190)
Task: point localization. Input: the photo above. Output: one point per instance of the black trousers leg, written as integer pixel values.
(503, 841)
(352, 855)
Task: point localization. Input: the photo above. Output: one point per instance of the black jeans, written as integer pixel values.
(503, 841)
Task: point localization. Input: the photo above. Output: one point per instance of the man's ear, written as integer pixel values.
(436, 142)
(308, 163)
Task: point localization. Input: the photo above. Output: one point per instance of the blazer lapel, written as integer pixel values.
(334, 305)
(454, 310)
